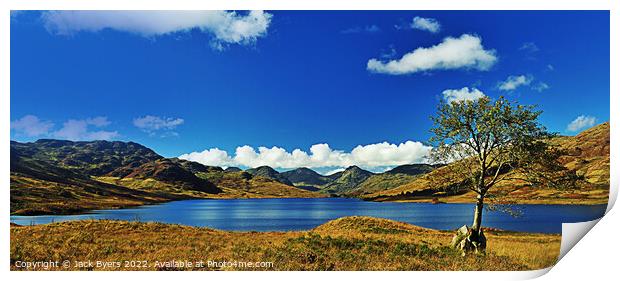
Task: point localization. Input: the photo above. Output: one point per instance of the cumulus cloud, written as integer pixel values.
(513, 82)
(464, 52)
(31, 126)
(580, 123)
(78, 130)
(320, 155)
(226, 27)
(152, 124)
(359, 29)
(463, 94)
(428, 24)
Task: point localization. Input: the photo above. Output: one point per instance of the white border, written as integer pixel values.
(602, 263)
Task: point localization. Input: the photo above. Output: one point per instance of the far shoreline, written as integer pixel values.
(86, 211)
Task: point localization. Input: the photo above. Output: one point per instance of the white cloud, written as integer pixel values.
(513, 82)
(541, 86)
(428, 24)
(210, 157)
(31, 126)
(321, 155)
(331, 172)
(77, 130)
(225, 26)
(463, 94)
(581, 122)
(452, 53)
(151, 124)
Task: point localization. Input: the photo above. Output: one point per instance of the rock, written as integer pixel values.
(467, 240)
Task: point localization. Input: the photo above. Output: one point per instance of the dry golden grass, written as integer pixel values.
(34, 196)
(350, 243)
(256, 187)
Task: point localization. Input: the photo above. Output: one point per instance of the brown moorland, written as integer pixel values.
(349, 243)
(588, 156)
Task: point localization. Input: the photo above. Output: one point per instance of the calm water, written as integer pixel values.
(304, 214)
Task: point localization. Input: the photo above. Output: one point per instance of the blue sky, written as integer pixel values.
(229, 83)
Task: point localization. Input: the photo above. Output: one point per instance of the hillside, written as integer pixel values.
(52, 177)
(93, 158)
(395, 177)
(588, 155)
(37, 187)
(304, 177)
(180, 174)
(270, 173)
(379, 182)
(348, 180)
(245, 185)
(412, 169)
(232, 169)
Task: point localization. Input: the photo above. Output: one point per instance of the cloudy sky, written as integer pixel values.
(288, 89)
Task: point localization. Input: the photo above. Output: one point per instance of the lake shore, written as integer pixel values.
(527, 196)
(349, 243)
(51, 208)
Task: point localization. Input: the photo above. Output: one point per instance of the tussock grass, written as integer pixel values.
(350, 243)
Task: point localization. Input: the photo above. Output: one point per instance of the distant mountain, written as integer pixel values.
(195, 167)
(180, 173)
(270, 173)
(335, 175)
(232, 169)
(305, 177)
(412, 169)
(57, 176)
(94, 158)
(40, 186)
(348, 180)
(587, 155)
(393, 178)
(245, 185)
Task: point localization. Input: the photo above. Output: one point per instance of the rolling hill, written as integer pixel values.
(306, 178)
(588, 156)
(348, 180)
(270, 173)
(57, 176)
(94, 158)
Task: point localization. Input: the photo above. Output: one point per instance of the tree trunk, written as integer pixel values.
(472, 239)
(478, 213)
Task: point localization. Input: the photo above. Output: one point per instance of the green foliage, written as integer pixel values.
(484, 139)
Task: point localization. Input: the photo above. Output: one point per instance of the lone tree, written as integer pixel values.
(485, 142)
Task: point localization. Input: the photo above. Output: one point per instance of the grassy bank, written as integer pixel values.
(521, 196)
(350, 243)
